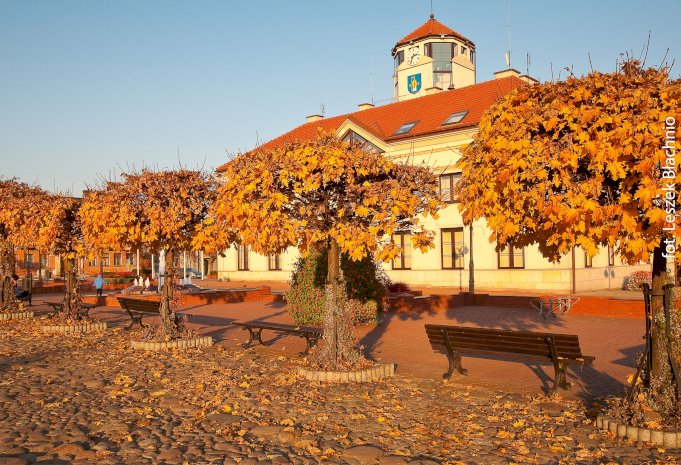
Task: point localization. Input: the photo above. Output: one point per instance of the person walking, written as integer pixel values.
(99, 284)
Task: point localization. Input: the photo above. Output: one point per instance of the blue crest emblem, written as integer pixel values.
(414, 83)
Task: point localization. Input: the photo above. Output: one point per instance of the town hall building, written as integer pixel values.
(436, 108)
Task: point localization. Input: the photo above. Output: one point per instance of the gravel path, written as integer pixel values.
(83, 400)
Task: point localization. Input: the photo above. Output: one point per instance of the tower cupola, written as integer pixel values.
(432, 57)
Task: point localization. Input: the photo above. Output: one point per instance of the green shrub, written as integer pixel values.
(364, 285)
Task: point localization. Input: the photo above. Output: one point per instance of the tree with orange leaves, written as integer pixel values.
(15, 196)
(160, 210)
(581, 163)
(33, 218)
(323, 191)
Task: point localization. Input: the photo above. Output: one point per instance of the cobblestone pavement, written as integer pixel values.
(84, 400)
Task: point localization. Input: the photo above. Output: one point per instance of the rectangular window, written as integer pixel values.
(130, 258)
(105, 259)
(118, 259)
(511, 257)
(274, 262)
(447, 184)
(403, 260)
(441, 53)
(399, 58)
(452, 248)
(92, 262)
(405, 128)
(588, 260)
(456, 117)
(44, 261)
(242, 252)
(611, 255)
(29, 260)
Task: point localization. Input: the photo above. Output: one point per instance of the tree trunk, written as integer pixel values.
(8, 300)
(72, 308)
(339, 347)
(169, 326)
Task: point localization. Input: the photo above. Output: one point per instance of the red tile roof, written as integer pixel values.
(432, 27)
(430, 111)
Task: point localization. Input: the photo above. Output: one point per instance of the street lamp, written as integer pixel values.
(471, 267)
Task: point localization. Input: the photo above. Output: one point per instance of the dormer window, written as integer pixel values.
(456, 117)
(405, 128)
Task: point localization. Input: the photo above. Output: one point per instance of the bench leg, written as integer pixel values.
(311, 341)
(454, 359)
(560, 376)
(253, 335)
(134, 320)
(560, 380)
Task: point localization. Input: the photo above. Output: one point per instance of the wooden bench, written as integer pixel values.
(559, 349)
(58, 306)
(255, 327)
(137, 308)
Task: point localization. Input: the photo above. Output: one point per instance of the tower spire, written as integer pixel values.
(431, 10)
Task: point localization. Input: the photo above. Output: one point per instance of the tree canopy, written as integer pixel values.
(311, 191)
(162, 210)
(576, 163)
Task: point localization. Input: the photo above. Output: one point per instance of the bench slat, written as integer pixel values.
(509, 347)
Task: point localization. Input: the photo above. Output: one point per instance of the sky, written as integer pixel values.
(89, 88)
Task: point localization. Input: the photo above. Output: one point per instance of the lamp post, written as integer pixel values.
(471, 267)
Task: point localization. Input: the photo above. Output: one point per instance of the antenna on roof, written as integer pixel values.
(508, 31)
(529, 62)
(431, 10)
(322, 109)
(371, 76)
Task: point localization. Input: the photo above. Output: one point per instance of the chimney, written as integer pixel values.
(507, 73)
(313, 118)
(529, 79)
(433, 90)
(364, 106)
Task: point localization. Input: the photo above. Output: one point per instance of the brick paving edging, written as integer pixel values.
(383, 370)
(218, 296)
(668, 439)
(204, 341)
(16, 316)
(596, 306)
(75, 328)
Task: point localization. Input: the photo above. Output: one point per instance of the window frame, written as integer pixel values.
(105, 259)
(242, 257)
(463, 115)
(511, 258)
(277, 262)
(400, 257)
(405, 128)
(454, 257)
(351, 137)
(399, 58)
(588, 260)
(451, 176)
(117, 259)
